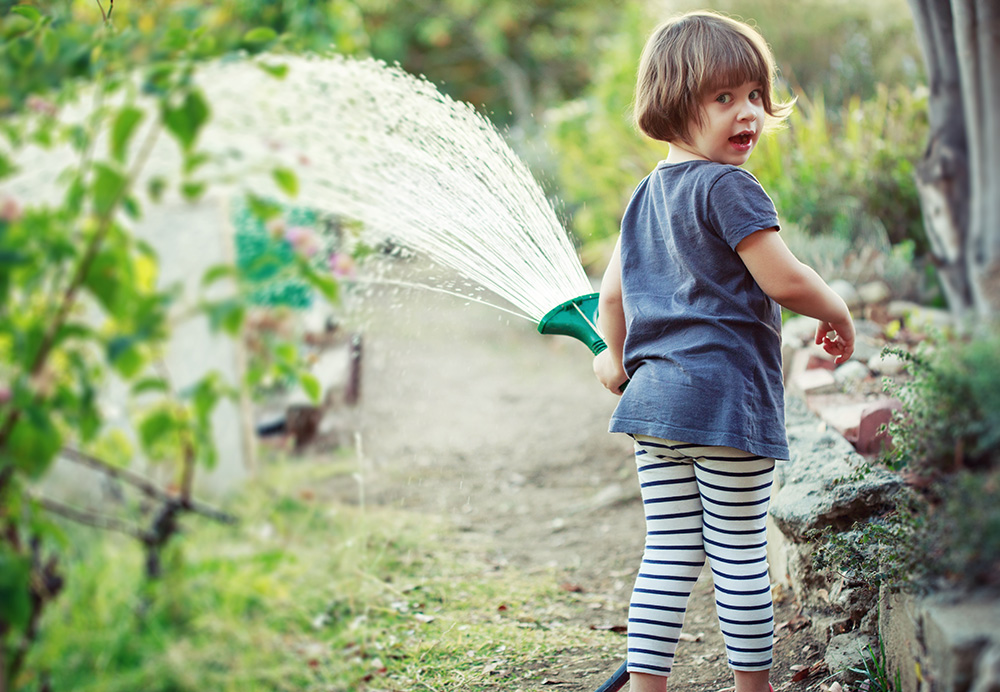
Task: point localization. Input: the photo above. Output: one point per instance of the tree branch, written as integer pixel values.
(87, 518)
(148, 488)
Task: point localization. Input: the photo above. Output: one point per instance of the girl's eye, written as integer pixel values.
(723, 98)
(755, 94)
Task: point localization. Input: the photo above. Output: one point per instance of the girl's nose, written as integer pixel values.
(748, 113)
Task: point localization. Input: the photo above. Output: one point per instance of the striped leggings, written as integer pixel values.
(701, 501)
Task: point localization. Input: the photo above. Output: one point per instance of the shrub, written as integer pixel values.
(945, 529)
(951, 406)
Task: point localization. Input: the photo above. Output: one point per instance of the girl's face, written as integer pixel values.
(732, 120)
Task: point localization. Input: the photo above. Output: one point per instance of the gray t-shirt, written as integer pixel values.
(703, 344)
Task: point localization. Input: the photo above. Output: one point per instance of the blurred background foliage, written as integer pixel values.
(556, 76)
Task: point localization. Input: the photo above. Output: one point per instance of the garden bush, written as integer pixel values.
(944, 528)
(842, 167)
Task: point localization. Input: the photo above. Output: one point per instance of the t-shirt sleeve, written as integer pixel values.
(739, 206)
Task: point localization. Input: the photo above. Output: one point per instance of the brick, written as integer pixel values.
(871, 438)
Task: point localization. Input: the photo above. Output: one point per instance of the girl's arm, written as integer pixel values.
(611, 324)
(800, 289)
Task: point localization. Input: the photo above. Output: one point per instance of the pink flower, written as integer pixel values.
(42, 106)
(10, 210)
(303, 239)
(341, 265)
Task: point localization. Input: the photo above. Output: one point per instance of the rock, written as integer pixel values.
(847, 291)
(803, 507)
(869, 328)
(820, 486)
(867, 347)
(815, 381)
(874, 292)
(872, 439)
(846, 651)
(844, 417)
(799, 330)
(987, 677)
(956, 634)
(918, 317)
(901, 309)
(953, 638)
(788, 351)
(850, 372)
(887, 364)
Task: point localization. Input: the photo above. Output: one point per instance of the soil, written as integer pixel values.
(468, 413)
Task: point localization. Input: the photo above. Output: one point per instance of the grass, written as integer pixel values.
(304, 594)
(876, 672)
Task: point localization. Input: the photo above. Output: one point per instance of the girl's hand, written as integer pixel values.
(841, 345)
(609, 372)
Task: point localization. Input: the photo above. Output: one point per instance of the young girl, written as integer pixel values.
(689, 309)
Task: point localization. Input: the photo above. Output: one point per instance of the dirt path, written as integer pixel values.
(472, 415)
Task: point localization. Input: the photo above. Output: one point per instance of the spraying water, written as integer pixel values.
(375, 144)
(413, 167)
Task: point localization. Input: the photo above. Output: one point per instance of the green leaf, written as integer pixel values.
(27, 11)
(276, 71)
(192, 190)
(287, 181)
(205, 397)
(107, 188)
(75, 193)
(185, 121)
(326, 285)
(15, 594)
(217, 273)
(34, 441)
(125, 123)
(131, 207)
(50, 46)
(7, 167)
(22, 50)
(150, 384)
(154, 427)
(105, 279)
(195, 160)
(158, 77)
(16, 24)
(125, 356)
(311, 386)
(227, 315)
(261, 34)
(156, 188)
(263, 209)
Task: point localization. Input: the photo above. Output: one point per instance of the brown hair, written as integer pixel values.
(691, 55)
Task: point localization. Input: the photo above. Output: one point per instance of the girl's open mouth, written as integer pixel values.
(742, 140)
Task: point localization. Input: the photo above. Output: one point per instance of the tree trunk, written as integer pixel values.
(959, 176)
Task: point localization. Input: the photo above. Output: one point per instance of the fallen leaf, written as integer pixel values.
(796, 623)
(555, 682)
(420, 617)
(610, 628)
(805, 672)
(572, 588)
(685, 637)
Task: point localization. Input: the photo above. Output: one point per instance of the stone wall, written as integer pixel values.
(825, 484)
(940, 642)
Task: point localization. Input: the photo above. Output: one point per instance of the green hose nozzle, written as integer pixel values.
(576, 318)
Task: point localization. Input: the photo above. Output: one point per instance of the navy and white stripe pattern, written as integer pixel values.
(701, 501)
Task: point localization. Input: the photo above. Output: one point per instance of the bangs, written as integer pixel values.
(731, 60)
